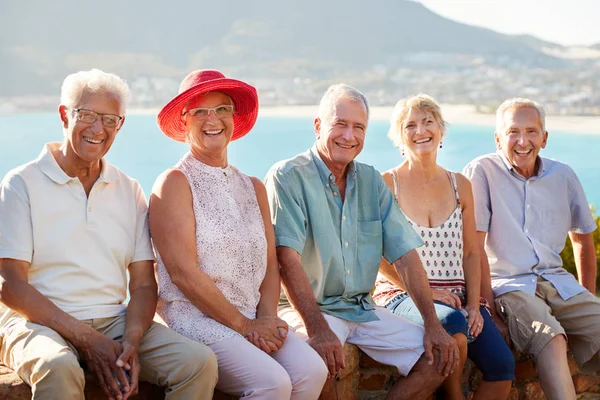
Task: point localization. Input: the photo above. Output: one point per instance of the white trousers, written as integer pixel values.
(295, 371)
(392, 340)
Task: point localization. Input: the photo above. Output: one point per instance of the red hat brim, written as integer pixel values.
(245, 102)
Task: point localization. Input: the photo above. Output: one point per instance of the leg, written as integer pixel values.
(187, 369)
(491, 355)
(248, 372)
(535, 331)
(580, 318)
(43, 359)
(553, 370)
(455, 324)
(395, 341)
(453, 383)
(305, 367)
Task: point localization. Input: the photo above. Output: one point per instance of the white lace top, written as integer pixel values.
(231, 249)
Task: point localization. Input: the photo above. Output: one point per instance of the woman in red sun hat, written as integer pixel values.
(217, 267)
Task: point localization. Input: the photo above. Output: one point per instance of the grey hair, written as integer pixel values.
(516, 103)
(95, 81)
(337, 92)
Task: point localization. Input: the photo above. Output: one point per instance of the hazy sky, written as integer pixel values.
(567, 22)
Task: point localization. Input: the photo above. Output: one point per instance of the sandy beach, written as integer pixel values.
(454, 114)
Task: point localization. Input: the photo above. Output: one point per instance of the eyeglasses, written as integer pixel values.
(222, 111)
(89, 117)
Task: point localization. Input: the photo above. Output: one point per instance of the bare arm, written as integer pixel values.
(99, 351)
(471, 257)
(486, 278)
(173, 229)
(411, 272)
(270, 287)
(301, 296)
(140, 313)
(585, 259)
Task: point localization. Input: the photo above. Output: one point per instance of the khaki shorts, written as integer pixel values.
(534, 321)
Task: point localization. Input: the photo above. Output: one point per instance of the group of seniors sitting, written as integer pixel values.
(419, 267)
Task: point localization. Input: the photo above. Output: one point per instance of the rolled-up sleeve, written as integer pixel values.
(481, 195)
(16, 233)
(398, 236)
(287, 214)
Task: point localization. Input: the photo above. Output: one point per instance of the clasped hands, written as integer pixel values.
(266, 333)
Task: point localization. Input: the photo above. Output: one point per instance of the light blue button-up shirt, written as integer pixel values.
(340, 243)
(527, 221)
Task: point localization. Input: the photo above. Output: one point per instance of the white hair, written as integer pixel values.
(95, 81)
(516, 103)
(337, 92)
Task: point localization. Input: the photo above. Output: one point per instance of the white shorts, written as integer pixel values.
(392, 340)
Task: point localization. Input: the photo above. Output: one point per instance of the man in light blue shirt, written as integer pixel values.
(525, 206)
(334, 218)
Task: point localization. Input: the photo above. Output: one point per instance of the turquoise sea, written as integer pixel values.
(143, 152)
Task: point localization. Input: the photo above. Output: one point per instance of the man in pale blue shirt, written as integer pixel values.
(525, 206)
(334, 218)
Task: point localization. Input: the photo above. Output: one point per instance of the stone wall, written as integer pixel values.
(362, 379)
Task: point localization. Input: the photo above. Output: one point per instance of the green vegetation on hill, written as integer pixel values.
(567, 253)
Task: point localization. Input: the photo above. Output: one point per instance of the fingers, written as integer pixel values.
(122, 378)
(443, 362)
(329, 359)
(340, 362)
(455, 300)
(428, 351)
(282, 333)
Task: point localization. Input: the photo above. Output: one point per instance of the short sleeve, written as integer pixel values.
(582, 220)
(398, 236)
(481, 195)
(16, 232)
(143, 247)
(287, 212)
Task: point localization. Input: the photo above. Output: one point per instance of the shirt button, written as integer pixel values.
(344, 217)
(528, 205)
(348, 272)
(335, 193)
(346, 244)
(90, 208)
(526, 230)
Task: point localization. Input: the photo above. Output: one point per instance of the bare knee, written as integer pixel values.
(429, 372)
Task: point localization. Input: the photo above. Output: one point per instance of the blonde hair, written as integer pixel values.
(95, 81)
(421, 102)
(514, 104)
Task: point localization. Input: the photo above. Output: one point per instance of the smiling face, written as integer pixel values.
(210, 134)
(341, 133)
(421, 133)
(88, 143)
(521, 139)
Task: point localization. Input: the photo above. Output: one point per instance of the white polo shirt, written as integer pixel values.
(79, 248)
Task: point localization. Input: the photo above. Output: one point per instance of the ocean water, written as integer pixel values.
(143, 152)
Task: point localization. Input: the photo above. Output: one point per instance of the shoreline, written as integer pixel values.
(455, 114)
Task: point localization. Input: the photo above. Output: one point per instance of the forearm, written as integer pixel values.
(390, 273)
(202, 292)
(269, 293)
(413, 275)
(472, 272)
(23, 298)
(140, 312)
(486, 283)
(299, 291)
(585, 260)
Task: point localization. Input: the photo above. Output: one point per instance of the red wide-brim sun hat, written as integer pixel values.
(244, 97)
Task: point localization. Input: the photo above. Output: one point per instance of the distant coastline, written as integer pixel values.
(464, 114)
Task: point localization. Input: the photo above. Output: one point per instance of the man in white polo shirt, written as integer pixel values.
(71, 227)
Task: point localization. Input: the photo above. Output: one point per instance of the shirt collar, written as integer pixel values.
(50, 167)
(510, 168)
(324, 172)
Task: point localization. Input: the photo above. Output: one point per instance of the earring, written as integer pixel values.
(440, 144)
(402, 152)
